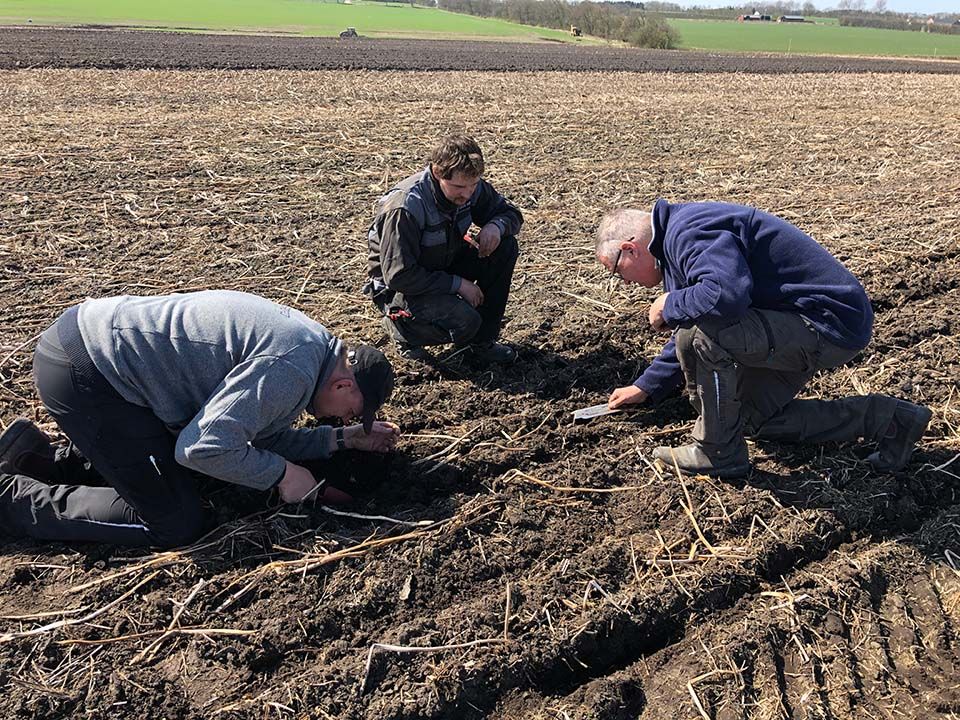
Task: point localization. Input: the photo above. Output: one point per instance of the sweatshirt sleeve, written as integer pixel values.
(299, 444)
(400, 259)
(663, 376)
(491, 207)
(219, 440)
(718, 279)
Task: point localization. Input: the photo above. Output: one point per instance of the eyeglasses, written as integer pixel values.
(613, 273)
(616, 263)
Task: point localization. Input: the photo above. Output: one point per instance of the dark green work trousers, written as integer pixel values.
(743, 378)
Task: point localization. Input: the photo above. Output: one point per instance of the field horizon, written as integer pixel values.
(402, 20)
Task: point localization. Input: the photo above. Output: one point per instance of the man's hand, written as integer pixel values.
(629, 395)
(488, 239)
(296, 483)
(656, 314)
(470, 292)
(382, 438)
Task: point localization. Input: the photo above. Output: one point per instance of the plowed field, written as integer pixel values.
(542, 569)
(119, 49)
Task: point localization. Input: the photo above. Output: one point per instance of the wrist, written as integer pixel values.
(283, 474)
(350, 434)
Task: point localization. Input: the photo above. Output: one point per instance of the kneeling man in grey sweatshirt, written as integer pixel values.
(151, 390)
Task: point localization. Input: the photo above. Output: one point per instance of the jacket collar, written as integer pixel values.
(659, 216)
(439, 199)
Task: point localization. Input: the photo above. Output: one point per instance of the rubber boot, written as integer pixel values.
(694, 460)
(25, 450)
(895, 448)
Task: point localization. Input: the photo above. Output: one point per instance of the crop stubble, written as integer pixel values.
(814, 589)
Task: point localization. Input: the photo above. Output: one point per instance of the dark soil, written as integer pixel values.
(812, 589)
(133, 49)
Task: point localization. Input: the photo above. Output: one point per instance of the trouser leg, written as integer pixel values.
(67, 513)
(817, 421)
(713, 380)
(771, 410)
(687, 357)
(435, 320)
(493, 274)
(743, 373)
(151, 500)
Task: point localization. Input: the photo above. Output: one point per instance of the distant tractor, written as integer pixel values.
(349, 33)
(575, 31)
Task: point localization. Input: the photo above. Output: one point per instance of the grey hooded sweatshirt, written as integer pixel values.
(227, 372)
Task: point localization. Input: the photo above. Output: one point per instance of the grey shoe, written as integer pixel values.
(22, 446)
(894, 451)
(694, 460)
(493, 352)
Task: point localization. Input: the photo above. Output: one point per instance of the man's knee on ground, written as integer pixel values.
(178, 529)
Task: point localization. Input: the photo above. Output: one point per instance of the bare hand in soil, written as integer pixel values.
(629, 395)
(382, 438)
(470, 292)
(656, 314)
(296, 483)
(488, 240)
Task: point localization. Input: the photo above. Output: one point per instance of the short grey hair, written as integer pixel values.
(619, 225)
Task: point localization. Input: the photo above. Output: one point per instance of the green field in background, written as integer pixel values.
(328, 18)
(829, 39)
(303, 17)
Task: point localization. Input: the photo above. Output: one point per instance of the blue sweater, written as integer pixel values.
(719, 260)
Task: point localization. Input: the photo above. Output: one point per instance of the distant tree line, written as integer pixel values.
(624, 20)
(774, 9)
(892, 21)
(849, 12)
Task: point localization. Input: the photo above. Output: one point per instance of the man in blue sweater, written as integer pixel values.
(756, 307)
(151, 390)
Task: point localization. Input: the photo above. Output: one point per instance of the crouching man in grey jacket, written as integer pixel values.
(151, 390)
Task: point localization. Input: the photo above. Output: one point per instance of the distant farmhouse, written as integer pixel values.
(755, 17)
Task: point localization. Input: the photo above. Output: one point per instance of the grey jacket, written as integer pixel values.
(417, 233)
(226, 371)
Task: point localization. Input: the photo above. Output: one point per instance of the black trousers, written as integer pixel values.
(448, 318)
(149, 499)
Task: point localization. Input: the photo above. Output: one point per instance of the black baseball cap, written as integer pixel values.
(374, 376)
